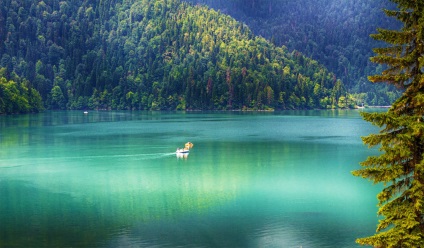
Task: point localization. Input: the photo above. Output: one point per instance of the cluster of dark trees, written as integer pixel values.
(335, 33)
(156, 55)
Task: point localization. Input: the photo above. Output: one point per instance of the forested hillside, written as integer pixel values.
(156, 55)
(335, 33)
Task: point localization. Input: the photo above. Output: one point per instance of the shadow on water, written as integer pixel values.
(50, 219)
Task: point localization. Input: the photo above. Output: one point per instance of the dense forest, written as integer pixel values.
(335, 33)
(155, 55)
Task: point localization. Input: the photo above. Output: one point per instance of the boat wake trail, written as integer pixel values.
(141, 156)
(149, 156)
(54, 159)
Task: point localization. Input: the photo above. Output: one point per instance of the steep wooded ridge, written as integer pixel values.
(333, 32)
(155, 55)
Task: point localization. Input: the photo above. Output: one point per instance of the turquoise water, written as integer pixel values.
(112, 179)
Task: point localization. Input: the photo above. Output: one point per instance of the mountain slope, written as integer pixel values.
(162, 54)
(335, 33)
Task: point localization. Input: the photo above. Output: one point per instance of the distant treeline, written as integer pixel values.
(335, 33)
(155, 55)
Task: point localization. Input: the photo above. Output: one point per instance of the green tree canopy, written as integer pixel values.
(333, 32)
(400, 166)
(17, 95)
(155, 55)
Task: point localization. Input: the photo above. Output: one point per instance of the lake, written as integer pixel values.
(112, 179)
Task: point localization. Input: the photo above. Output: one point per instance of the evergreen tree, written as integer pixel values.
(400, 166)
(57, 98)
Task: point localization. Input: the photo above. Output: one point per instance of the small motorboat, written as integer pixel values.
(182, 151)
(186, 148)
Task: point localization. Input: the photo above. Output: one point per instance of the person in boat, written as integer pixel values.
(188, 145)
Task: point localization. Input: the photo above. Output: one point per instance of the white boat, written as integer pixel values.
(182, 151)
(186, 148)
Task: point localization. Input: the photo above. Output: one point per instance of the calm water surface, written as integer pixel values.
(112, 179)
